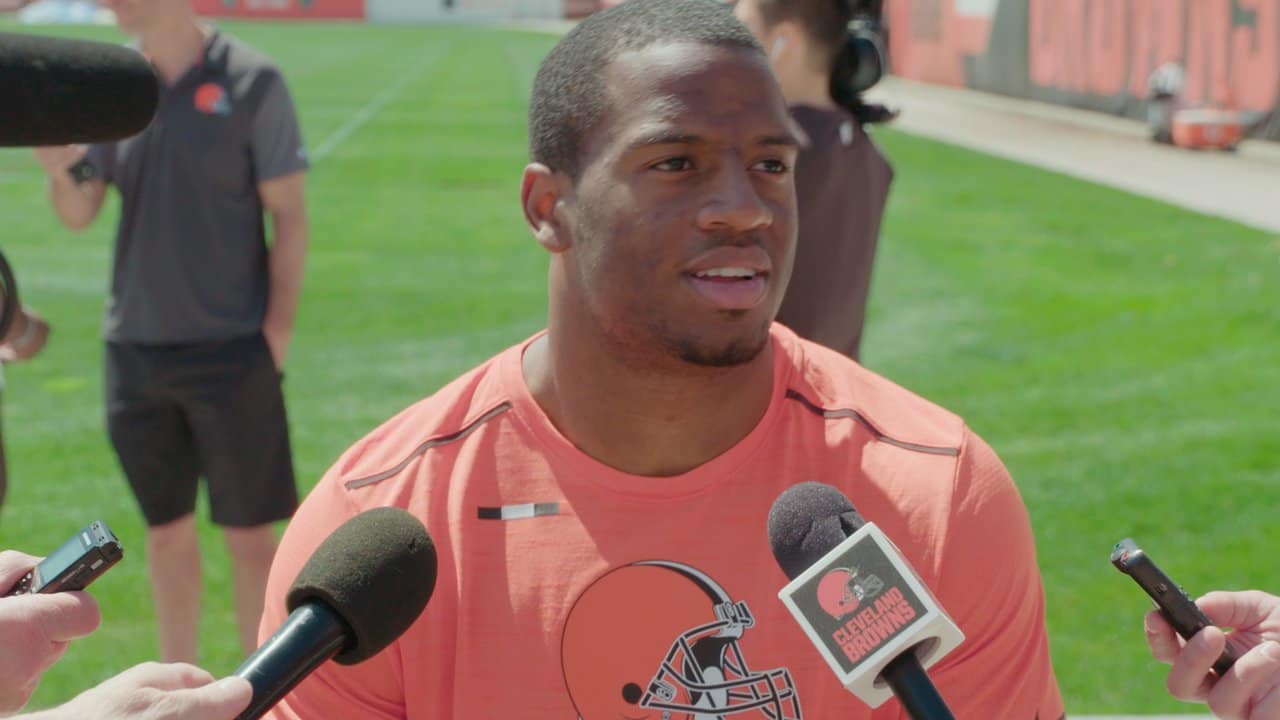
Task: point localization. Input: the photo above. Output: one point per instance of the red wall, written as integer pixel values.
(1104, 47)
(1095, 53)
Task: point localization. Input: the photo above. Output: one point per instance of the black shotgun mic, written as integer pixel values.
(361, 589)
(859, 601)
(59, 91)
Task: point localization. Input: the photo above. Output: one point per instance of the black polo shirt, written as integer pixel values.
(191, 255)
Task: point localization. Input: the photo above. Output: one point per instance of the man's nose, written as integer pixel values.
(734, 203)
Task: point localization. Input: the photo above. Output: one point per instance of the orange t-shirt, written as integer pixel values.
(568, 589)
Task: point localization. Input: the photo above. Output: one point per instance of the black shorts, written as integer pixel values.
(179, 412)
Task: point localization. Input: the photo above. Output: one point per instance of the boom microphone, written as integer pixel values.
(59, 91)
(361, 589)
(859, 601)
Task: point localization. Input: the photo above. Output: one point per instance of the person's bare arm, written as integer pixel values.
(75, 203)
(284, 200)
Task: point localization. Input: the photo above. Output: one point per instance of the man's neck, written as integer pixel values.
(651, 424)
(174, 45)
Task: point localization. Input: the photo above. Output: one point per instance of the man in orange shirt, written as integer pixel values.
(598, 494)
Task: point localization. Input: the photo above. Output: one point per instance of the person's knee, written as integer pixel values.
(176, 537)
(255, 544)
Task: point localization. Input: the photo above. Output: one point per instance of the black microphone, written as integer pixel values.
(59, 91)
(360, 590)
(859, 600)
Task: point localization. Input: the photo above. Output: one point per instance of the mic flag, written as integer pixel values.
(862, 606)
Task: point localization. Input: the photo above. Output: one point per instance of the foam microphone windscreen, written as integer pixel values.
(376, 571)
(59, 91)
(806, 522)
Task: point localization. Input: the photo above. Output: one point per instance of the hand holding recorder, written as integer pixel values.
(1250, 688)
(1237, 676)
(44, 608)
(35, 629)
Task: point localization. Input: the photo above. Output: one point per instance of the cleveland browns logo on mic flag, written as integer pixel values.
(840, 591)
(862, 605)
(861, 609)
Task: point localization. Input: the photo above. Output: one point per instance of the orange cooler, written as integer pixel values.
(1207, 128)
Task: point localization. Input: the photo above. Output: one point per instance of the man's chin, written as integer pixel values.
(732, 353)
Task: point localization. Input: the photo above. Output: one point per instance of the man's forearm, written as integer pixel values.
(75, 204)
(287, 260)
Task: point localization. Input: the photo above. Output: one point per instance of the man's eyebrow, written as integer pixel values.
(672, 138)
(783, 140)
(666, 138)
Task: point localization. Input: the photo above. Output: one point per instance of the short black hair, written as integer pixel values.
(568, 96)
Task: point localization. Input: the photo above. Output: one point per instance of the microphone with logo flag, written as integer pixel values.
(360, 590)
(859, 601)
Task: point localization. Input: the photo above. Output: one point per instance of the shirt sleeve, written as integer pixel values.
(276, 143)
(990, 585)
(102, 158)
(371, 690)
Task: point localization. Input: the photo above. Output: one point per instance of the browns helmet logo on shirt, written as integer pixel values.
(659, 640)
(212, 99)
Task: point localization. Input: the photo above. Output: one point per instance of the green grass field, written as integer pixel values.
(1121, 355)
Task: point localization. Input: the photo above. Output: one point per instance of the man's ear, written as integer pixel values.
(543, 193)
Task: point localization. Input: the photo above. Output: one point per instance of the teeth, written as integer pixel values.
(731, 272)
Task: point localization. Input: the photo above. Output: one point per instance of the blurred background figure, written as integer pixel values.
(202, 303)
(1164, 88)
(826, 55)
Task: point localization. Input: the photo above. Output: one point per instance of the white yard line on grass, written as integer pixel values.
(374, 106)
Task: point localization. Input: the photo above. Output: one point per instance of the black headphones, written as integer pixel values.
(859, 65)
(865, 49)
